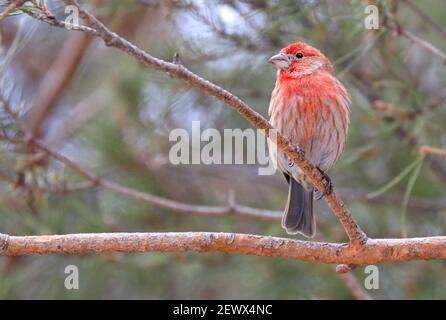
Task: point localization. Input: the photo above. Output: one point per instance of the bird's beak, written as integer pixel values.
(280, 61)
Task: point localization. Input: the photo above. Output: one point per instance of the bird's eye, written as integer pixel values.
(299, 55)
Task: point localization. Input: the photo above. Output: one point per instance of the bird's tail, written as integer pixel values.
(298, 216)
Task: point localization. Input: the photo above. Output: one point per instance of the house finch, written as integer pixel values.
(310, 107)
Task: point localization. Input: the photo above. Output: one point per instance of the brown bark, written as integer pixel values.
(372, 252)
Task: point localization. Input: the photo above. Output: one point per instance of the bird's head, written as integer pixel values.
(300, 59)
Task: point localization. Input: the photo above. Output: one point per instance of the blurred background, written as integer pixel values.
(106, 112)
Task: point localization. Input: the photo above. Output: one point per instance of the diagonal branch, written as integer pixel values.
(393, 24)
(425, 44)
(177, 70)
(11, 8)
(354, 286)
(423, 14)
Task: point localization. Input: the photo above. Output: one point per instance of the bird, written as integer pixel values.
(311, 108)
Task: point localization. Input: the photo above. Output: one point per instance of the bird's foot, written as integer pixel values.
(328, 186)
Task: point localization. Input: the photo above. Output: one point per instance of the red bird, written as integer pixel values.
(310, 107)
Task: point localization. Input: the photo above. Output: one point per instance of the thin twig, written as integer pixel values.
(424, 150)
(354, 286)
(425, 44)
(60, 188)
(11, 8)
(394, 25)
(52, 21)
(427, 17)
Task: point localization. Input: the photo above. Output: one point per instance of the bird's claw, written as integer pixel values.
(328, 186)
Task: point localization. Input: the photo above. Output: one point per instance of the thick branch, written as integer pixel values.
(372, 252)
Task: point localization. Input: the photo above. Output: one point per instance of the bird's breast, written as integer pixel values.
(314, 114)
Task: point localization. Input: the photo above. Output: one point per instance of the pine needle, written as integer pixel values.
(407, 193)
(397, 179)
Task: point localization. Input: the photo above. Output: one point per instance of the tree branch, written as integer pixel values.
(52, 21)
(393, 24)
(425, 44)
(424, 150)
(373, 252)
(354, 286)
(11, 8)
(177, 70)
(426, 17)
